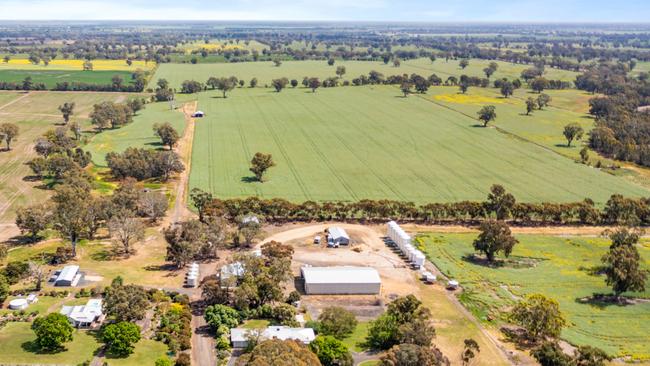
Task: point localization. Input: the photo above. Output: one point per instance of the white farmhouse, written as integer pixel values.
(84, 316)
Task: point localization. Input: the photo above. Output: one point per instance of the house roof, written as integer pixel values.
(68, 273)
(84, 313)
(336, 232)
(305, 335)
(340, 274)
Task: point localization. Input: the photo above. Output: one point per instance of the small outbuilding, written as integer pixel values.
(337, 236)
(18, 304)
(341, 280)
(239, 336)
(198, 114)
(68, 276)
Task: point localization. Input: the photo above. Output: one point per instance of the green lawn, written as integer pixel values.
(352, 143)
(357, 338)
(16, 347)
(266, 71)
(43, 303)
(146, 352)
(52, 77)
(256, 324)
(137, 134)
(557, 267)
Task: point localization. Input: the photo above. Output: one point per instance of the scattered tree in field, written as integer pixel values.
(6, 59)
(491, 69)
(543, 100)
(331, 351)
(33, 219)
(622, 264)
(226, 85)
(67, 110)
(397, 62)
(487, 114)
(470, 351)
(539, 316)
(573, 131)
(539, 84)
(125, 229)
(242, 83)
(109, 114)
(260, 164)
(125, 302)
(87, 66)
(37, 273)
(279, 84)
(584, 155)
(507, 89)
(330, 61)
(294, 83)
(337, 322)
(70, 214)
(463, 86)
(253, 83)
(406, 88)
(432, 57)
(120, 338)
(191, 87)
(531, 104)
(340, 71)
(411, 354)
(52, 331)
(463, 63)
(277, 62)
(8, 132)
(495, 237)
(167, 134)
(314, 83)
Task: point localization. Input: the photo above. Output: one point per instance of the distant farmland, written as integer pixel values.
(265, 71)
(352, 143)
(51, 77)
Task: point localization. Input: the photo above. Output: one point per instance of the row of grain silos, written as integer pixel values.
(404, 243)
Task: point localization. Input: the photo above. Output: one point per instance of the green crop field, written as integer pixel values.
(137, 134)
(351, 143)
(558, 267)
(265, 71)
(51, 77)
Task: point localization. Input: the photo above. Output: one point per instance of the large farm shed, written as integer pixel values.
(341, 280)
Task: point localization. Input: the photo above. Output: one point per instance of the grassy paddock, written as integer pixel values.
(265, 71)
(51, 77)
(369, 142)
(558, 267)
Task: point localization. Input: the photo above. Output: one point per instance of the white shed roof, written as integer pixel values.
(84, 313)
(340, 274)
(68, 273)
(304, 335)
(337, 232)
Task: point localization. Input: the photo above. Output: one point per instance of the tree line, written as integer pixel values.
(499, 204)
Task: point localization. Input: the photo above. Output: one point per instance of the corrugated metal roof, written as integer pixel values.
(340, 274)
(305, 335)
(337, 232)
(68, 273)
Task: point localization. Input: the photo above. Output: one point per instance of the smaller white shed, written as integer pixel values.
(198, 114)
(338, 236)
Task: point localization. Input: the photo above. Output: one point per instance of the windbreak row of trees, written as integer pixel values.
(500, 204)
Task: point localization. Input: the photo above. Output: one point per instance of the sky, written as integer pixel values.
(332, 10)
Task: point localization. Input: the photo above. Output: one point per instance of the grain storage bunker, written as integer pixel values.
(341, 280)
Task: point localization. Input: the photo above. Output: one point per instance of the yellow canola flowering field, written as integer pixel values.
(75, 64)
(469, 99)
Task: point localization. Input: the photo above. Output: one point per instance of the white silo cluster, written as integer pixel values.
(192, 277)
(404, 243)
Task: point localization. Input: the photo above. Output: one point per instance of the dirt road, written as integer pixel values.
(184, 150)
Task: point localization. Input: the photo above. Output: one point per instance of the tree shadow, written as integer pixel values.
(477, 125)
(595, 271)
(250, 179)
(168, 267)
(103, 255)
(31, 178)
(513, 262)
(603, 301)
(564, 146)
(33, 347)
(158, 145)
